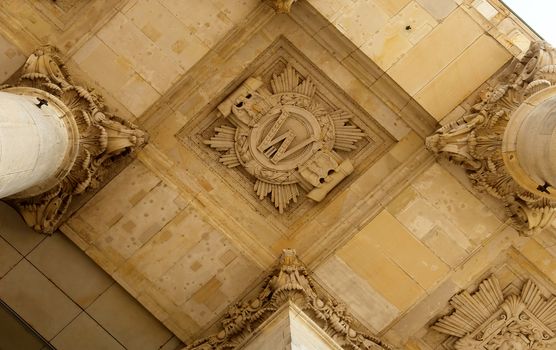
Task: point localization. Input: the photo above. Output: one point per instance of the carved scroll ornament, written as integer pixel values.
(283, 6)
(487, 320)
(475, 141)
(286, 139)
(289, 282)
(101, 138)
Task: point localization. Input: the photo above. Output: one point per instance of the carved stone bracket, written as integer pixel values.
(99, 138)
(283, 6)
(290, 282)
(484, 142)
(488, 320)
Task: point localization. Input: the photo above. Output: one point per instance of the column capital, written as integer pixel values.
(99, 138)
(485, 141)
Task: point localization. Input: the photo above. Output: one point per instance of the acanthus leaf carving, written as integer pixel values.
(102, 138)
(475, 141)
(283, 6)
(488, 320)
(285, 138)
(290, 282)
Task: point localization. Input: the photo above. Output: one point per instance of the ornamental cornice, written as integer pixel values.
(289, 282)
(489, 320)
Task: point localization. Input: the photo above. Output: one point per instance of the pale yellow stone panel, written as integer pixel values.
(331, 9)
(455, 202)
(461, 77)
(114, 201)
(389, 236)
(394, 39)
(360, 21)
(539, 256)
(140, 223)
(392, 7)
(171, 35)
(148, 60)
(364, 302)
(440, 9)
(447, 41)
(116, 75)
(368, 261)
(10, 59)
(209, 22)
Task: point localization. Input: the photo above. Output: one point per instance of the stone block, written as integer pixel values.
(127, 321)
(11, 59)
(385, 276)
(16, 232)
(461, 77)
(70, 269)
(419, 66)
(14, 335)
(439, 9)
(368, 305)
(46, 308)
(9, 257)
(360, 21)
(84, 333)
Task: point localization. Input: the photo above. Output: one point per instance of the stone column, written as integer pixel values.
(529, 146)
(57, 140)
(37, 142)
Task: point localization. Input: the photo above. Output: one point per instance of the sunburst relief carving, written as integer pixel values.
(285, 138)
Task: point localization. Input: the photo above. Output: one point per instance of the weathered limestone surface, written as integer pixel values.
(186, 236)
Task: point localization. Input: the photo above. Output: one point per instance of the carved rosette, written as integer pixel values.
(99, 138)
(477, 140)
(488, 320)
(290, 282)
(285, 138)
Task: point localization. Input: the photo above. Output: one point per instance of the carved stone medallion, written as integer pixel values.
(488, 320)
(285, 138)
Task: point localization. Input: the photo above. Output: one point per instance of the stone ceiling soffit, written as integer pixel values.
(66, 24)
(303, 34)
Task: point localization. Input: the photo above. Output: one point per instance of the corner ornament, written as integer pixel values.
(488, 320)
(503, 142)
(290, 282)
(98, 139)
(283, 6)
